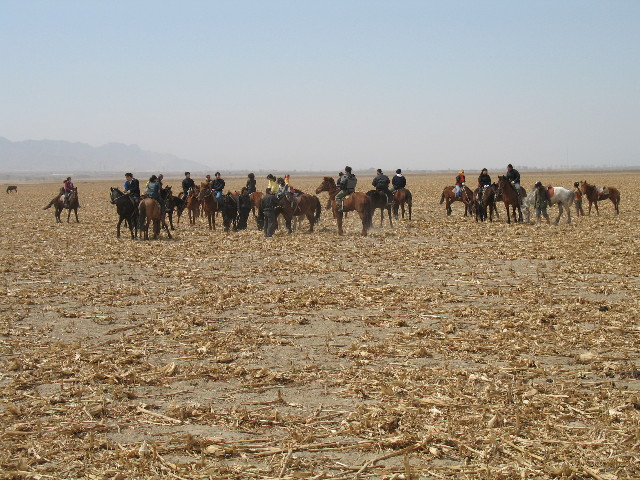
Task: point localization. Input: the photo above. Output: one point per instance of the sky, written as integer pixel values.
(317, 85)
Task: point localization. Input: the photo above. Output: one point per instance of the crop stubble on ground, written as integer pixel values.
(452, 348)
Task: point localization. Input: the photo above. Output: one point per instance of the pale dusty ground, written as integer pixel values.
(461, 350)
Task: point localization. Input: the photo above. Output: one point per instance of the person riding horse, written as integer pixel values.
(484, 180)
(132, 188)
(218, 186)
(514, 177)
(399, 181)
(154, 190)
(381, 184)
(187, 184)
(460, 181)
(347, 184)
(68, 188)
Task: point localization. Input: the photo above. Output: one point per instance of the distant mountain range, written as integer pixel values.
(59, 157)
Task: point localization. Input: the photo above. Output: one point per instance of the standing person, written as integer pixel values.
(218, 186)
(514, 177)
(244, 207)
(381, 184)
(484, 180)
(347, 186)
(68, 188)
(271, 183)
(577, 199)
(460, 181)
(251, 183)
(132, 187)
(268, 206)
(541, 201)
(187, 184)
(399, 181)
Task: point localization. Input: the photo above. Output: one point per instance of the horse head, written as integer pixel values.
(327, 185)
(115, 194)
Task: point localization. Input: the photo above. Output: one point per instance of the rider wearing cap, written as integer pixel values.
(347, 184)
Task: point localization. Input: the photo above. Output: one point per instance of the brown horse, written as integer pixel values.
(12, 188)
(207, 199)
(303, 205)
(594, 195)
(149, 211)
(401, 197)
(466, 197)
(256, 198)
(510, 197)
(193, 205)
(379, 201)
(58, 203)
(357, 201)
(485, 200)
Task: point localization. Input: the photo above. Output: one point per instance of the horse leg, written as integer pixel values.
(338, 216)
(118, 228)
(595, 204)
(75, 211)
(389, 214)
(557, 220)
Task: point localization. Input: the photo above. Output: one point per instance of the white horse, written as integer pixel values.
(559, 195)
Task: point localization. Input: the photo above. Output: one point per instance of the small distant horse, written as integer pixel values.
(12, 188)
(127, 211)
(594, 195)
(357, 201)
(401, 197)
(379, 201)
(59, 204)
(209, 203)
(557, 195)
(511, 198)
(149, 210)
(174, 203)
(303, 205)
(193, 205)
(466, 197)
(229, 208)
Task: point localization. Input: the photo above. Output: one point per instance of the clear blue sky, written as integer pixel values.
(320, 84)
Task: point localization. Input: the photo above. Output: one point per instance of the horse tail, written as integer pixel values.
(50, 204)
(318, 210)
(409, 197)
(442, 198)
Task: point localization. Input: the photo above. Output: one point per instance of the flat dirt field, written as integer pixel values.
(436, 348)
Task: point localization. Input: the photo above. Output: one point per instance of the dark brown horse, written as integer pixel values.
(149, 211)
(466, 197)
(304, 205)
(485, 200)
(401, 197)
(59, 204)
(12, 188)
(207, 199)
(379, 201)
(357, 201)
(594, 195)
(511, 198)
(172, 203)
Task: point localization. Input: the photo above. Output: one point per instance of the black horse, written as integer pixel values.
(380, 201)
(229, 206)
(172, 202)
(127, 210)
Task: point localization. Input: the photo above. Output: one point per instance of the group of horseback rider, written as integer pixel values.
(484, 180)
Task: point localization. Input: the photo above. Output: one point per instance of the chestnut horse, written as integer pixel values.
(379, 201)
(401, 197)
(594, 195)
(149, 211)
(193, 205)
(256, 198)
(466, 197)
(58, 203)
(510, 198)
(207, 198)
(303, 205)
(485, 200)
(357, 201)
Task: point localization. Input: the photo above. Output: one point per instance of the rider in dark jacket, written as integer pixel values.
(399, 181)
(514, 177)
(187, 183)
(268, 207)
(381, 184)
(218, 186)
(484, 179)
(244, 207)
